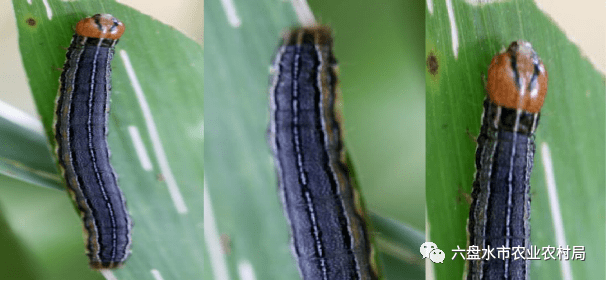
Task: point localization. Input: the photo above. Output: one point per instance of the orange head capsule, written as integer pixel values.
(100, 26)
(517, 78)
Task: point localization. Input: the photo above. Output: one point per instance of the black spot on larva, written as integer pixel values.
(432, 64)
(30, 21)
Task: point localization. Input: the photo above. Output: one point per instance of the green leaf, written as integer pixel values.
(249, 226)
(167, 113)
(24, 151)
(572, 127)
(41, 235)
(21, 261)
(399, 246)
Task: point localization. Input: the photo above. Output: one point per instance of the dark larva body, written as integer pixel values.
(80, 131)
(500, 210)
(330, 240)
(501, 191)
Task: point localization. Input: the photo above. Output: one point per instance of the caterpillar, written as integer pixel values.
(329, 236)
(500, 211)
(81, 116)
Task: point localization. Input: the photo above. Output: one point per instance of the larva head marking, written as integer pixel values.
(100, 26)
(517, 78)
(317, 35)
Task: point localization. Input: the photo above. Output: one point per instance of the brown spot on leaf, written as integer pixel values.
(30, 21)
(432, 64)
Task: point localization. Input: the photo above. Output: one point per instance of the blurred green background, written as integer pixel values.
(380, 48)
(39, 230)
